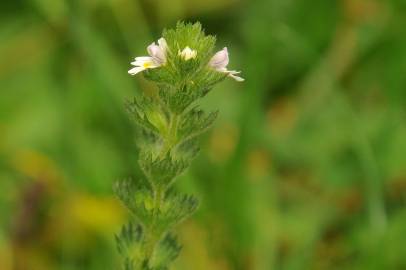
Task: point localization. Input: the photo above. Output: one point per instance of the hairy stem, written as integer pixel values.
(171, 136)
(153, 236)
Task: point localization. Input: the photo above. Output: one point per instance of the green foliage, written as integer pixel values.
(195, 122)
(129, 242)
(167, 129)
(161, 172)
(177, 97)
(138, 198)
(146, 114)
(176, 207)
(182, 82)
(295, 176)
(314, 143)
(166, 252)
(188, 35)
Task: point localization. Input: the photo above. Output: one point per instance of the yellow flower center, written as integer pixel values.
(147, 64)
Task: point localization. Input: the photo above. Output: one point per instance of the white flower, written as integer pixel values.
(156, 59)
(219, 62)
(187, 53)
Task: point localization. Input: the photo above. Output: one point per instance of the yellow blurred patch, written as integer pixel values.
(25, 49)
(97, 214)
(259, 164)
(195, 253)
(282, 117)
(5, 258)
(222, 143)
(37, 166)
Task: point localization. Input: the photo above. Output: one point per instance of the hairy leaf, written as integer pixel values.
(161, 172)
(167, 251)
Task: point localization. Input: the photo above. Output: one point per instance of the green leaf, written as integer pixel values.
(137, 114)
(128, 264)
(166, 252)
(161, 172)
(204, 80)
(177, 99)
(165, 74)
(148, 114)
(189, 35)
(192, 87)
(186, 150)
(130, 236)
(194, 123)
(129, 244)
(138, 198)
(176, 208)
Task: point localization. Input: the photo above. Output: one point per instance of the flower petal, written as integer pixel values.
(142, 63)
(146, 64)
(152, 48)
(156, 59)
(136, 70)
(232, 74)
(237, 78)
(163, 45)
(158, 53)
(220, 60)
(142, 58)
(139, 61)
(187, 53)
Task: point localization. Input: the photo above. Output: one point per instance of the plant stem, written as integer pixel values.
(153, 236)
(171, 136)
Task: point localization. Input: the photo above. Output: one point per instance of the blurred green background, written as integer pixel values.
(304, 169)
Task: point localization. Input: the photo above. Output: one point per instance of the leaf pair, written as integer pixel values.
(161, 172)
(131, 245)
(173, 209)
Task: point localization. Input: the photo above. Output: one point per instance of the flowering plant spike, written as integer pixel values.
(184, 68)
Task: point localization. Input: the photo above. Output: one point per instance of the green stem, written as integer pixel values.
(171, 136)
(153, 236)
(373, 181)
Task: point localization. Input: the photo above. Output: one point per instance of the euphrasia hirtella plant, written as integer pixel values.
(184, 68)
